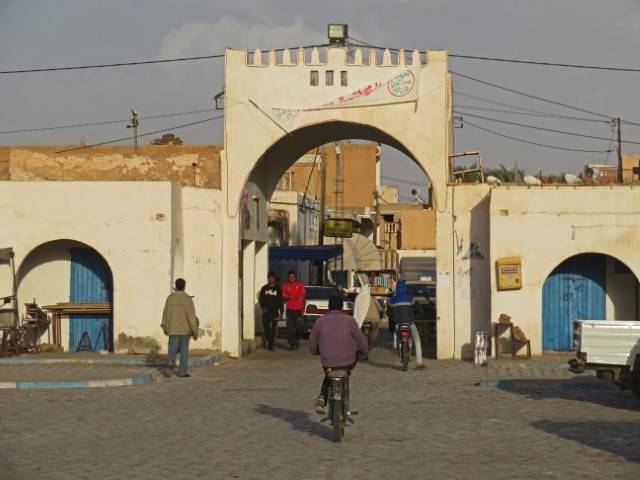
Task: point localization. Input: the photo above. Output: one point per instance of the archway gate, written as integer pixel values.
(277, 110)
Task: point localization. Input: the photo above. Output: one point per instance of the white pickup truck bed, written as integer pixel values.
(607, 342)
(611, 348)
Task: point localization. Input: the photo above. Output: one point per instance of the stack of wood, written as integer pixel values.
(80, 308)
(34, 312)
(504, 319)
(518, 335)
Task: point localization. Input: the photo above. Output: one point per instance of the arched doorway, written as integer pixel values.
(589, 286)
(263, 181)
(68, 272)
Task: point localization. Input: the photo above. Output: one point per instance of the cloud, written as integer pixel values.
(206, 38)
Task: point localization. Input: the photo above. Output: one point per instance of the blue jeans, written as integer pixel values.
(415, 337)
(179, 343)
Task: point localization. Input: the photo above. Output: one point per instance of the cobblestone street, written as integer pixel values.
(253, 418)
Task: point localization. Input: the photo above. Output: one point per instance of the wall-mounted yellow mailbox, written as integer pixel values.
(509, 273)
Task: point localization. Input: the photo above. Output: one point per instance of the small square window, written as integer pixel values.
(343, 78)
(314, 80)
(329, 78)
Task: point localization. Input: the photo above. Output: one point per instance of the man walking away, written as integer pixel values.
(180, 324)
(336, 338)
(295, 295)
(270, 301)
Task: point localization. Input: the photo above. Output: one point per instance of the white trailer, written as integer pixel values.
(611, 348)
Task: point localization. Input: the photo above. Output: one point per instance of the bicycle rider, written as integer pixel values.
(403, 308)
(336, 338)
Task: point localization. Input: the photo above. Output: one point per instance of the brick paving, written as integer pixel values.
(253, 419)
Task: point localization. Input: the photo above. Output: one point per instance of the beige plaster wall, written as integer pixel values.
(545, 226)
(187, 165)
(135, 226)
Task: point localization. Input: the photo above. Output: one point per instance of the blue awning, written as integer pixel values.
(312, 252)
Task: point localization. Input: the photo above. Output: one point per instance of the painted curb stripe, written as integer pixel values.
(118, 382)
(214, 357)
(545, 384)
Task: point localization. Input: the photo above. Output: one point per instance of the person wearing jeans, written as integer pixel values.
(403, 308)
(180, 324)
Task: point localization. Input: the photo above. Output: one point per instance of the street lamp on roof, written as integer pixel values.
(338, 33)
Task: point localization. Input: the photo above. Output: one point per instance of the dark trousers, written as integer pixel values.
(324, 389)
(269, 326)
(294, 327)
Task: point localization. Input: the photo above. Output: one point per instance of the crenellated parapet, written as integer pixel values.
(336, 57)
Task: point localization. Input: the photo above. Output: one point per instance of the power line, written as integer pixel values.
(535, 143)
(532, 96)
(400, 180)
(545, 115)
(509, 60)
(146, 62)
(142, 135)
(540, 128)
(107, 122)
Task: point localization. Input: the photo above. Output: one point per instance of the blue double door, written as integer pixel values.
(91, 281)
(575, 290)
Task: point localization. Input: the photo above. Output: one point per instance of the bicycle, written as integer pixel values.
(338, 399)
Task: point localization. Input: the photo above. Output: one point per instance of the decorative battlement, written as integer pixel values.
(338, 57)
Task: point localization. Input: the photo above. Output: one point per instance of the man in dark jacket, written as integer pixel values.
(270, 301)
(404, 307)
(336, 338)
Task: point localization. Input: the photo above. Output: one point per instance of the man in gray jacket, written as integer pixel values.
(180, 324)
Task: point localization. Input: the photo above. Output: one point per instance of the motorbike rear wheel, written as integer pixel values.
(404, 354)
(336, 420)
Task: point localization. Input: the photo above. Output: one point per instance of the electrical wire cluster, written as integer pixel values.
(470, 115)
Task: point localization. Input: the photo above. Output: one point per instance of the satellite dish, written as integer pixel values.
(417, 195)
(593, 173)
(531, 180)
(571, 179)
(493, 180)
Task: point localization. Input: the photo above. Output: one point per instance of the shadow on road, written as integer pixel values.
(299, 420)
(619, 438)
(579, 389)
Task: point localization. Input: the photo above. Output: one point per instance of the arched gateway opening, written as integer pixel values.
(589, 286)
(278, 111)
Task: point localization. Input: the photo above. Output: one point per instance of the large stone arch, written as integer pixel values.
(276, 111)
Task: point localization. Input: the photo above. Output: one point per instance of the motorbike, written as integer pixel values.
(405, 343)
(338, 398)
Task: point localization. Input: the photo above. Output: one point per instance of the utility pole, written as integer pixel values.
(323, 192)
(620, 176)
(134, 125)
(376, 221)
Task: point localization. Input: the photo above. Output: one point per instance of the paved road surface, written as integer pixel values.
(254, 419)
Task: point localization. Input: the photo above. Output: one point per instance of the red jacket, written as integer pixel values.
(336, 337)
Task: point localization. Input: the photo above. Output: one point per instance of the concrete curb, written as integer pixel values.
(118, 382)
(530, 384)
(159, 362)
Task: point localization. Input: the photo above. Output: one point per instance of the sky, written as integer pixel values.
(36, 34)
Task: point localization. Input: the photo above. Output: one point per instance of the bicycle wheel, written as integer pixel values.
(405, 356)
(336, 420)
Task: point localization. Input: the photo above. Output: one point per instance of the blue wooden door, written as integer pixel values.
(575, 290)
(91, 281)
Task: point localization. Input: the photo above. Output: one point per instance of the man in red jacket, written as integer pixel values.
(294, 294)
(336, 338)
